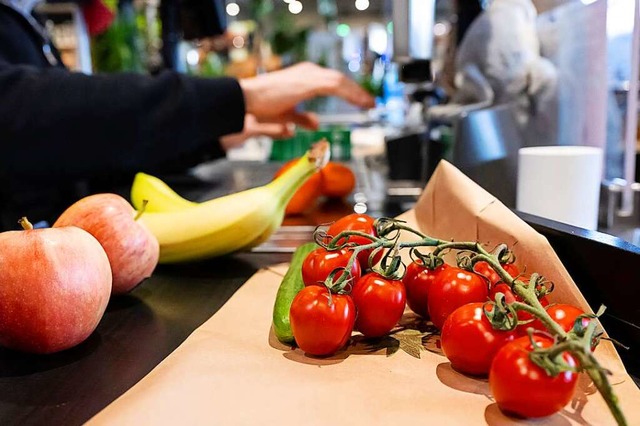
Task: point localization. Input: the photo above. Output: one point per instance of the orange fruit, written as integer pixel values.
(306, 196)
(338, 180)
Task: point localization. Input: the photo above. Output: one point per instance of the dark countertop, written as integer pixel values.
(137, 331)
(140, 329)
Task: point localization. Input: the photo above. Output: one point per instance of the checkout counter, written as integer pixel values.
(140, 329)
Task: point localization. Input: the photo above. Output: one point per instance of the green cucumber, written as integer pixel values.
(290, 286)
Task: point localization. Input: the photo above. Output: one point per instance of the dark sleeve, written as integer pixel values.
(56, 123)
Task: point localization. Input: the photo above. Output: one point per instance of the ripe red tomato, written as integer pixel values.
(417, 280)
(453, 288)
(321, 322)
(379, 302)
(318, 264)
(521, 387)
(563, 314)
(510, 297)
(470, 342)
(357, 222)
(484, 269)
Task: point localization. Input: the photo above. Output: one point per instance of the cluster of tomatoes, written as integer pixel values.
(454, 299)
(321, 320)
(456, 302)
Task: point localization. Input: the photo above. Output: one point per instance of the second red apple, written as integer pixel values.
(132, 249)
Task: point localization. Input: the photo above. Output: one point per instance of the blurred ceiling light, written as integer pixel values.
(360, 208)
(193, 57)
(620, 17)
(238, 42)
(343, 30)
(287, 1)
(295, 7)
(440, 29)
(233, 9)
(362, 4)
(377, 38)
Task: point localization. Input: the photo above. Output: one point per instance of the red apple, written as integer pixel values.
(54, 288)
(132, 249)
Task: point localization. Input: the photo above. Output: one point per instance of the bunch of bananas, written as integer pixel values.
(190, 231)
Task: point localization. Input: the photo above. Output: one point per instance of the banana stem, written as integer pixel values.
(286, 185)
(292, 179)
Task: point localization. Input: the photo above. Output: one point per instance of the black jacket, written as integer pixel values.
(64, 135)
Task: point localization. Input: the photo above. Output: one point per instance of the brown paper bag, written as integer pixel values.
(232, 370)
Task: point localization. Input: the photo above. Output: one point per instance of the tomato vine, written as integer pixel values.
(502, 314)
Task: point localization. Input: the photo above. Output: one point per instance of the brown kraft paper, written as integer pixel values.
(232, 370)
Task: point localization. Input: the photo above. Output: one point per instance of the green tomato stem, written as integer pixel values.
(581, 349)
(401, 227)
(344, 235)
(599, 378)
(527, 292)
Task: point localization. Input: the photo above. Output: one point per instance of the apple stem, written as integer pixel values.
(142, 209)
(24, 222)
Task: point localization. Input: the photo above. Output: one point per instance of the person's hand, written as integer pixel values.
(252, 127)
(273, 97)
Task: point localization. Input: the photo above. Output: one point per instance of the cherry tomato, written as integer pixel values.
(417, 280)
(484, 269)
(380, 302)
(510, 297)
(453, 288)
(321, 322)
(357, 222)
(470, 342)
(563, 314)
(521, 387)
(318, 264)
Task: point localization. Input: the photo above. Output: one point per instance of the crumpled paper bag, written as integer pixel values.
(453, 207)
(232, 370)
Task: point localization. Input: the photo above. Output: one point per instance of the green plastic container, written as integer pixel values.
(339, 140)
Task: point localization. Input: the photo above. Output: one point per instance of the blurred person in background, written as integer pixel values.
(64, 135)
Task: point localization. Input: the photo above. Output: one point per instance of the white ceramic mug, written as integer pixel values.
(560, 183)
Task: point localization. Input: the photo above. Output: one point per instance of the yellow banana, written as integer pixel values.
(190, 231)
(161, 198)
(164, 199)
(158, 195)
